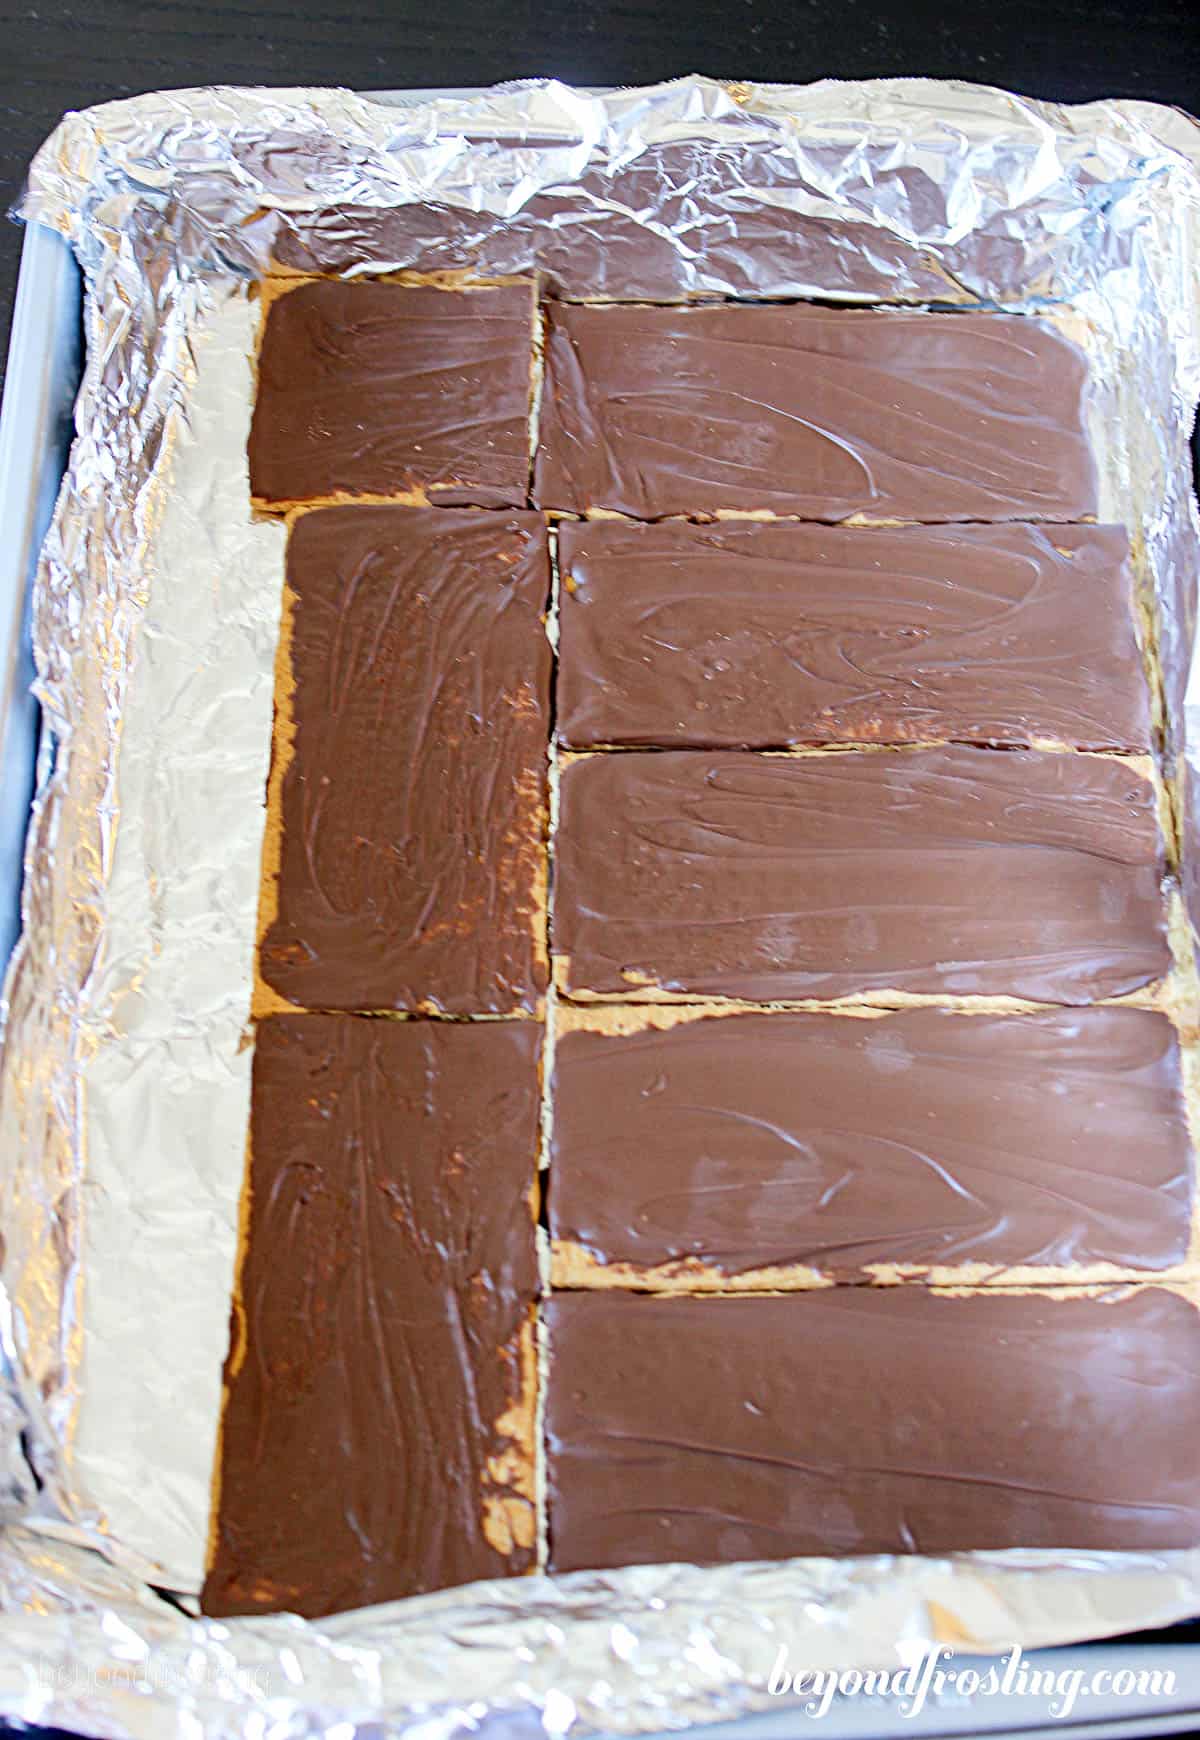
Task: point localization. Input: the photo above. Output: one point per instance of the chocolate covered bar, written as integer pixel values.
(760, 636)
(378, 1432)
(378, 1437)
(405, 853)
(861, 1420)
(826, 414)
(951, 871)
(398, 390)
(795, 1149)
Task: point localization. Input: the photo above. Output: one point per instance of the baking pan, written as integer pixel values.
(44, 368)
(44, 363)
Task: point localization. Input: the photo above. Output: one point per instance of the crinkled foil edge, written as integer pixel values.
(907, 190)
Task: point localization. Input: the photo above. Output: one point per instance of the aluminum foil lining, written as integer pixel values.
(125, 1082)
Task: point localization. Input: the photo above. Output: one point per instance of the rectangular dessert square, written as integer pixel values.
(969, 872)
(859, 1420)
(406, 855)
(822, 413)
(792, 1149)
(378, 1434)
(757, 635)
(400, 390)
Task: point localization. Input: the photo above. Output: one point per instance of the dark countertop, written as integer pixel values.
(61, 54)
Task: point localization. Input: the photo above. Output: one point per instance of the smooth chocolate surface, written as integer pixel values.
(922, 1138)
(859, 1420)
(376, 1432)
(391, 389)
(818, 412)
(758, 635)
(952, 870)
(413, 809)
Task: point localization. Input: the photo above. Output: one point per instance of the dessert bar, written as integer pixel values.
(399, 390)
(378, 1431)
(948, 871)
(749, 635)
(821, 413)
(792, 1149)
(860, 1420)
(406, 853)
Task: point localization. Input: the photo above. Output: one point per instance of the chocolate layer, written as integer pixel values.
(823, 413)
(746, 1142)
(856, 1420)
(378, 1434)
(394, 389)
(412, 859)
(963, 871)
(758, 635)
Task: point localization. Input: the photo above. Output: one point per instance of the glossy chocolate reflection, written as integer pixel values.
(378, 1436)
(962, 871)
(822, 413)
(834, 1144)
(861, 1420)
(394, 389)
(412, 860)
(753, 635)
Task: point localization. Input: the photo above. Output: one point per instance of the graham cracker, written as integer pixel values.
(280, 282)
